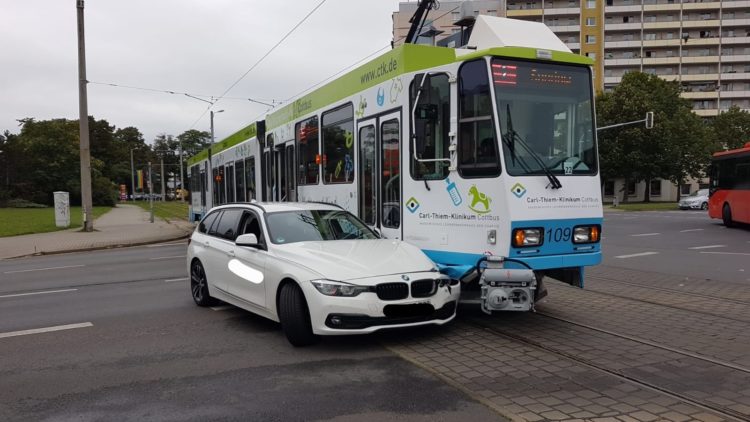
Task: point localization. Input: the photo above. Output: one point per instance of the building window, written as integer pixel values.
(685, 189)
(590, 4)
(609, 188)
(590, 39)
(338, 145)
(655, 187)
(631, 188)
(590, 21)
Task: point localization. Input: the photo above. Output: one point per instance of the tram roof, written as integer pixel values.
(406, 58)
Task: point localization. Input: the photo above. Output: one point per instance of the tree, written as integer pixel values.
(732, 128)
(676, 148)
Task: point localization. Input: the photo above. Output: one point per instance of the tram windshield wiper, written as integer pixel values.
(513, 136)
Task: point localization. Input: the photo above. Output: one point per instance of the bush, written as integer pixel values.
(22, 203)
(103, 192)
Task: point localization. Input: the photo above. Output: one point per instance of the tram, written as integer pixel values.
(478, 155)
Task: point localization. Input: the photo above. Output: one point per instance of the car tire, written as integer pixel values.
(726, 216)
(199, 285)
(704, 206)
(295, 316)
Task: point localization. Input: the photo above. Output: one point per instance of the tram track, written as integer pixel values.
(675, 306)
(667, 290)
(718, 410)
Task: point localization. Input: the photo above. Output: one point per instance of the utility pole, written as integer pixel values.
(83, 120)
(150, 193)
(182, 182)
(162, 176)
(132, 175)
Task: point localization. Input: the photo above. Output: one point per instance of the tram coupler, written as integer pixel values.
(505, 289)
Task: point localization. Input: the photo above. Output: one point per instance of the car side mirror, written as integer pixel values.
(248, 239)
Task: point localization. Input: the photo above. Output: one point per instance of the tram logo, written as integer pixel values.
(519, 190)
(361, 107)
(412, 205)
(478, 198)
(381, 96)
(396, 87)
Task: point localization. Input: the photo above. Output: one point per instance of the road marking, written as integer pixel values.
(44, 269)
(222, 307)
(645, 234)
(728, 253)
(167, 257)
(38, 293)
(46, 329)
(175, 279)
(690, 230)
(637, 254)
(159, 245)
(708, 247)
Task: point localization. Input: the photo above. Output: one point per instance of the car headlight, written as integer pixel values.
(335, 288)
(527, 237)
(586, 234)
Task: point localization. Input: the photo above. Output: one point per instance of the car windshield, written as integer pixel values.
(546, 117)
(315, 225)
(702, 192)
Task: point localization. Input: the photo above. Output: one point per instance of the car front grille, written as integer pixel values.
(423, 288)
(392, 291)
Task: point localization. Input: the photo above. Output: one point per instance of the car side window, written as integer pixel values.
(227, 226)
(251, 225)
(205, 224)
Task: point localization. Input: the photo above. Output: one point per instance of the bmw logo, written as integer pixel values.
(404, 277)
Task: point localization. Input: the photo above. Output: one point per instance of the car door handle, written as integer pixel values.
(230, 253)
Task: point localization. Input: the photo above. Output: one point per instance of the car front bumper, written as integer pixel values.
(688, 206)
(366, 313)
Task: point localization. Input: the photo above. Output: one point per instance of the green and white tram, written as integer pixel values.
(485, 151)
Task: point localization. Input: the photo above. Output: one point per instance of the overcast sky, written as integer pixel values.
(200, 47)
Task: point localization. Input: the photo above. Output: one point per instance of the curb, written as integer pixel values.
(98, 248)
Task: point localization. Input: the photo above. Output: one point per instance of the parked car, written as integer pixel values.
(696, 200)
(315, 268)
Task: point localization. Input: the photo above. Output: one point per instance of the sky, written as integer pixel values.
(196, 47)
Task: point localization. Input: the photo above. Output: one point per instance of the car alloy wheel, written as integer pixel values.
(295, 316)
(199, 285)
(704, 206)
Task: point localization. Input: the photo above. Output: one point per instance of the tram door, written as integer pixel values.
(380, 173)
(284, 173)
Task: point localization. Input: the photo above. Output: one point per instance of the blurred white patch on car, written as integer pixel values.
(248, 273)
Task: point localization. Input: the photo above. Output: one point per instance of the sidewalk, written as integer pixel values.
(124, 225)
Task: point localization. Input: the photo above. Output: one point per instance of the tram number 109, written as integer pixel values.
(559, 234)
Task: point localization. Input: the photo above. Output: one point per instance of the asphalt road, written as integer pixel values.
(122, 340)
(686, 243)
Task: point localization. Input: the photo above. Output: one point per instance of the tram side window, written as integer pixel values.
(431, 125)
(250, 177)
(338, 145)
(222, 186)
(204, 184)
(194, 179)
(477, 144)
(308, 150)
(215, 181)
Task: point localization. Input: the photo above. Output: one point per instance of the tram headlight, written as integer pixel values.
(527, 237)
(586, 234)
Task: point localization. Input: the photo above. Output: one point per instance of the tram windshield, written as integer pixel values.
(545, 113)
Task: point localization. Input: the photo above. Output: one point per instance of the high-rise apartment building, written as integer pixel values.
(705, 45)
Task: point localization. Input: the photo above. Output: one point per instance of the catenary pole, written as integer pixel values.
(163, 181)
(132, 175)
(83, 119)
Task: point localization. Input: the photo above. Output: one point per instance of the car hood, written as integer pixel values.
(344, 260)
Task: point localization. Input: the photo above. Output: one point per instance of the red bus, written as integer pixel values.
(729, 192)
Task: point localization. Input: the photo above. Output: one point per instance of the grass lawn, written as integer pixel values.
(16, 221)
(646, 206)
(169, 210)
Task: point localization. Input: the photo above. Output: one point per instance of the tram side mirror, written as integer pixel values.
(649, 119)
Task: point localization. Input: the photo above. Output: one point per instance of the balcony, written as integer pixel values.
(524, 12)
(735, 40)
(734, 94)
(634, 62)
(736, 5)
(700, 95)
(725, 76)
(562, 11)
(560, 29)
(661, 25)
(706, 112)
(625, 9)
(714, 5)
(710, 23)
(634, 26)
(661, 7)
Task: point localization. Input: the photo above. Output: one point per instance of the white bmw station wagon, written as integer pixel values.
(315, 268)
